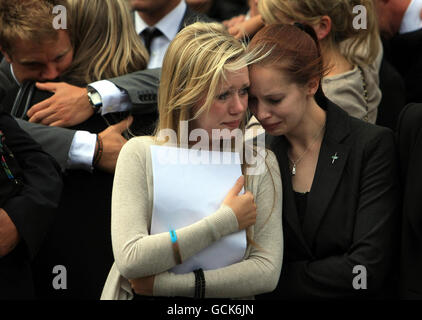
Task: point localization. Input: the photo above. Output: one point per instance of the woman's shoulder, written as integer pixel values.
(370, 137)
(265, 164)
(138, 147)
(139, 142)
(368, 131)
(355, 133)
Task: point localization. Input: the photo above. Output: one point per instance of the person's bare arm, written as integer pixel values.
(9, 236)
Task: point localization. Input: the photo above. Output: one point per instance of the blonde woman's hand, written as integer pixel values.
(143, 286)
(242, 205)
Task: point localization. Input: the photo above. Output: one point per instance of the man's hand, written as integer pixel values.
(68, 106)
(9, 236)
(113, 142)
(143, 286)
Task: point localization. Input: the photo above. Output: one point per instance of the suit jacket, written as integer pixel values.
(54, 140)
(393, 98)
(32, 209)
(403, 51)
(409, 134)
(351, 217)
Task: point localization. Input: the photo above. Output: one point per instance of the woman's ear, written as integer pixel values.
(323, 27)
(313, 86)
(5, 55)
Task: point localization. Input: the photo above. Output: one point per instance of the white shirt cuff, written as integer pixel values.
(113, 98)
(81, 152)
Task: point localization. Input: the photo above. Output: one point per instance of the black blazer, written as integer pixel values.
(393, 98)
(32, 209)
(404, 52)
(409, 134)
(351, 217)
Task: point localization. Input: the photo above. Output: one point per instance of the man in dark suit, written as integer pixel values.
(26, 62)
(400, 23)
(409, 134)
(29, 195)
(158, 22)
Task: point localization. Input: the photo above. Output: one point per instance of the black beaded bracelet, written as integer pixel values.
(199, 284)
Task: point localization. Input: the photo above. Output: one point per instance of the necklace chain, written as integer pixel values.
(365, 94)
(294, 163)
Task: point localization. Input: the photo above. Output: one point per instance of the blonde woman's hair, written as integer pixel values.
(104, 39)
(342, 30)
(28, 20)
(194, 66)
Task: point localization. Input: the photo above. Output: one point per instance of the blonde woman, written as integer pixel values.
(351, 55)
(204, 81)
(104, 41)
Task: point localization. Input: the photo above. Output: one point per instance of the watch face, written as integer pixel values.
(95, 99)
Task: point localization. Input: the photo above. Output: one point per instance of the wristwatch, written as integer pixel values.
(94, 99)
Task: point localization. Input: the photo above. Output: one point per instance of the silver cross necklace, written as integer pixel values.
(294, 163)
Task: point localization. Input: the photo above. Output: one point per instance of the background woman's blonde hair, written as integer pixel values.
(105, 41)
(193, 69)
(342, 29)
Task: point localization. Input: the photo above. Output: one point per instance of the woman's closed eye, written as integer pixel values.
(244, 91)
(274, 101)
(224, 95)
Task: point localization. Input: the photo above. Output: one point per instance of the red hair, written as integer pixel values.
(293, 49)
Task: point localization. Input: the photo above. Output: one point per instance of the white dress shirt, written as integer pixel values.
(169, 26)
(412, 20)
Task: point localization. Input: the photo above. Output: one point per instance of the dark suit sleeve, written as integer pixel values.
(142, 88)
(54, 140)
(409, 134)
(408, 130)
(32, 210)
(375, 235)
